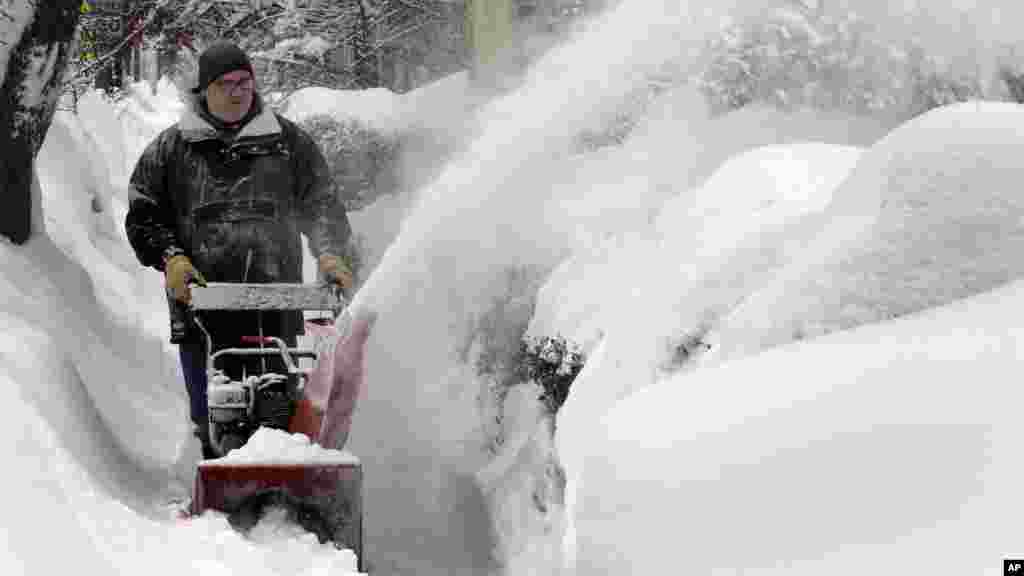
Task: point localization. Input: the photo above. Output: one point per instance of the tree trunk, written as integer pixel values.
(365, 57)
(36, 38)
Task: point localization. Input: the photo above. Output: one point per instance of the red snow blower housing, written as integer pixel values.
(324, 496)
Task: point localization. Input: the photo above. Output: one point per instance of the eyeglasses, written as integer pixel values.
(229, 86)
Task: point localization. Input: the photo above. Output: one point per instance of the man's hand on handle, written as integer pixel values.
(334, 270)
(179, 273)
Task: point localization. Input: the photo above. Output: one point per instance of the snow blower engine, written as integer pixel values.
(237, 408)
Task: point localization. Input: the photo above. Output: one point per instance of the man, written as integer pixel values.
(223, 196)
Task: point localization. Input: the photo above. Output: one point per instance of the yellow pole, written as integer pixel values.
(488, 33)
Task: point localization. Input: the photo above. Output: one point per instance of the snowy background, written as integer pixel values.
(801, 335)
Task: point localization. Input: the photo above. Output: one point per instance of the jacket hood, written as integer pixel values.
(195, 128)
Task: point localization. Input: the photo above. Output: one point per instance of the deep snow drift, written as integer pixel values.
(931, 213)
(890, 449)
(826, 455)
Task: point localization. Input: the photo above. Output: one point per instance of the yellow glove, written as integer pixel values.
(333, 269)
(179, 273)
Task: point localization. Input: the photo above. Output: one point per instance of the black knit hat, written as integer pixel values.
(219, 59)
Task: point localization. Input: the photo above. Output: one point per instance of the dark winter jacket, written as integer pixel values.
(235, 203)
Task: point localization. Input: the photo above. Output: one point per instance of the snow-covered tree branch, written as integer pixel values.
(36, 45)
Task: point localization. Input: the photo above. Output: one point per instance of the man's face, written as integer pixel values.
(230, 97)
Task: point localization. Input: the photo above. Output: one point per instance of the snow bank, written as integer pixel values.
(639, 302)
(862, 452)
(80, 284)
(650, 289)
(99, 119)
(48, 411)
(376, 108)
(122, 130)
(931, 214)
(927, 216)
(142, 115)
(268, 446)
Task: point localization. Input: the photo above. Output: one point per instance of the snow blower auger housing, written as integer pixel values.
(325, 495)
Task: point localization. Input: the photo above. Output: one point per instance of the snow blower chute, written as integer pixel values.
(321, 488)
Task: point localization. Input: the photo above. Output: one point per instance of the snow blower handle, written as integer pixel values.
(272, 296)
(279, 297)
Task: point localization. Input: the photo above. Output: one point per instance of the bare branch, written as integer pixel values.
(265, 18)
(287, 61)
(421, 7)
(398, 35)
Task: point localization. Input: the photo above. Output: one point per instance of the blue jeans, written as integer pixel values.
(193, 364)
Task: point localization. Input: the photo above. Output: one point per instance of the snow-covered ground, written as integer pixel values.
(800, 329)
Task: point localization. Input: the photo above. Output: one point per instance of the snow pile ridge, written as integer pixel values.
(931, 214)
(269, 446)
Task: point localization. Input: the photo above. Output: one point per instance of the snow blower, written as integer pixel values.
(321, 489)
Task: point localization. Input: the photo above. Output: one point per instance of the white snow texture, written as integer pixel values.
(268, 446)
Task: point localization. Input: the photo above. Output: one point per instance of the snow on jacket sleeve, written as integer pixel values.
(151, 221)
(322, 216)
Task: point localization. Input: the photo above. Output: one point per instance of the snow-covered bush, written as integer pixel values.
(1014, 82)
(831, 60)
(1010, 74)
(553, 363)
(361, 159)
(504, 355)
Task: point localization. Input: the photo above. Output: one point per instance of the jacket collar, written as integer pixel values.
(195, 128)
